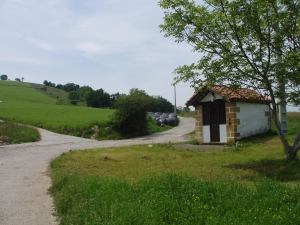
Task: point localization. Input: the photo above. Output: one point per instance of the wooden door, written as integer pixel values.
(214, 123)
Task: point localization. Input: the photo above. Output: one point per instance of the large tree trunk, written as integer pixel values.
(290, 150)
(290, 153)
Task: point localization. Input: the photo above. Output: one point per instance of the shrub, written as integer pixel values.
(130, 118)
(73, 102)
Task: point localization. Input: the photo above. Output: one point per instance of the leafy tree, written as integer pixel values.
(4, 77)
(153, 103)
(98, 99)
(59, 86)
(136, 91)
(130, 118)
(83, 91)
(48, 83)
(163, 105)
(149, 101)
(18, 79)
(70, 87)
(243, 43)
(113, 98)
(74, 97)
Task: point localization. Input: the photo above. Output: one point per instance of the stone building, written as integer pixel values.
(225, 115)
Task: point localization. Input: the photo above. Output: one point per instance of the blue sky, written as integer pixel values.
(111, 44)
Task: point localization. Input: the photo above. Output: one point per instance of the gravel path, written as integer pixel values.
(23, 178)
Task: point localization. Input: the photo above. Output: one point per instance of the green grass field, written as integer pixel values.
(60, 96)
(251, 184)
(26, 103)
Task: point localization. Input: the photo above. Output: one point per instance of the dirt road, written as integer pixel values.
(23, 179)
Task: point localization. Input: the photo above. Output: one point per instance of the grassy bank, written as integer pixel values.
(19, 133)
(252, 184)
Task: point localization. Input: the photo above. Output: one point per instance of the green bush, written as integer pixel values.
(130, 118)
(73, 102)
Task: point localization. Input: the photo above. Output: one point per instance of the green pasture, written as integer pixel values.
(24, 104)
(27, 104)
(61, 96)
(159, 184)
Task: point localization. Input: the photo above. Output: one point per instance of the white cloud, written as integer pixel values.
(111, 44)
(14, 58)
(43, 44)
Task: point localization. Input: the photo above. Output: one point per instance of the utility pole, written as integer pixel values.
(175, 99)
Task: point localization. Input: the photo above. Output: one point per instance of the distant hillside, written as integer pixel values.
(24, 103)
(60, 95)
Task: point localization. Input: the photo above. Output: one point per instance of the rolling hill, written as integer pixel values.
(25, 103)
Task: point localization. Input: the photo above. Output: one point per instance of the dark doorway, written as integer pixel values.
(214, 123)
(214, 115)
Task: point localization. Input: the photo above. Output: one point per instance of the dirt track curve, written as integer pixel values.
(23, 178)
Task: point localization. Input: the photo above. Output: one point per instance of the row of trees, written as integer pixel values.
(20, 79)
(67, 87)
(101, 99)
(5, 77)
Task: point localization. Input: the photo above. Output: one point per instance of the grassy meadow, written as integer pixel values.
(158, 184)
(19, 133)
(24, 104)
(50, 109)
(60, 96)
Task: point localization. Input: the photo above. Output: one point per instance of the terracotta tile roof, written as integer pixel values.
(241, 94)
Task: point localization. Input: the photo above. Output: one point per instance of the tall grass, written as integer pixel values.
(173, 199)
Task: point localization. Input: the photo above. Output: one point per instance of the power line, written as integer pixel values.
(162, 90)
(170, 86)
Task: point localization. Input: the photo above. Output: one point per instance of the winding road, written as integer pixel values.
(23, 171)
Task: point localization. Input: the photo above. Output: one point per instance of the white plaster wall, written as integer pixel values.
(206, 134)
(223, 133)
(252, 119)
(207, 98)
